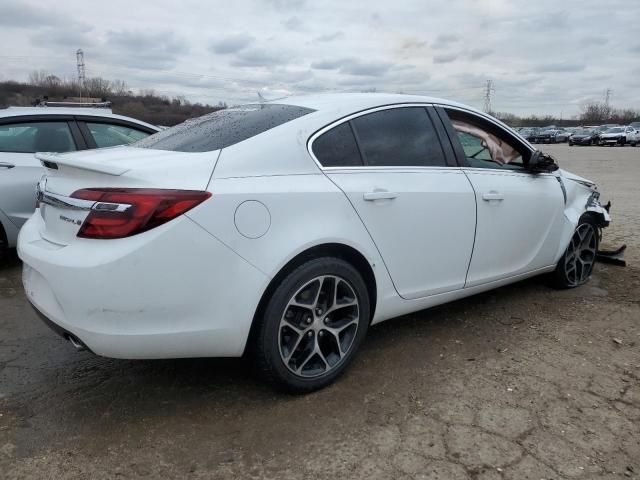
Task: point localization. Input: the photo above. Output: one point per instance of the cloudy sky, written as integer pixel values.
(543, 56)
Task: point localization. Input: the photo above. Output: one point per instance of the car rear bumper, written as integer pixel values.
(175, 291)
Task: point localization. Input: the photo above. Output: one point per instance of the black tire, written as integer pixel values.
(563, 276)
(4, 247)
(267, 348)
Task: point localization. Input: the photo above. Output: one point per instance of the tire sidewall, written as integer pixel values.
(268, 339)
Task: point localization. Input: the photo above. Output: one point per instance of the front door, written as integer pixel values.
(520, 214)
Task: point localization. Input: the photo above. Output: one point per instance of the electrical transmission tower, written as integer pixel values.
(607, 96)
(80, 62)
(488, 90)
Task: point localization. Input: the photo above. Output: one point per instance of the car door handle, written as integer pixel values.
(492, 196)
(379, 195)
(6, 165)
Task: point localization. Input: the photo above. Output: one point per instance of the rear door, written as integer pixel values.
(19, 169)
(520, 214)
(418, 207)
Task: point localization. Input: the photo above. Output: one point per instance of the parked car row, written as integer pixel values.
(601, 135)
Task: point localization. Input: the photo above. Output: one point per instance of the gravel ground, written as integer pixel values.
(524, 382)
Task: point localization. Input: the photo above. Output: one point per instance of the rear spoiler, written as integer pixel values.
(52, 161)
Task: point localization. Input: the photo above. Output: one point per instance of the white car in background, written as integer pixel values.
(286, 229)
(26, 130)
(619, 136)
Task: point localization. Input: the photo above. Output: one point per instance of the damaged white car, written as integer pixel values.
(287, 229)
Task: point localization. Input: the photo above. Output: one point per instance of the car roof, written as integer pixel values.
(361, 101)
(78, 111)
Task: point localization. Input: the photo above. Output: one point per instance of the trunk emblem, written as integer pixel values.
(70, 220)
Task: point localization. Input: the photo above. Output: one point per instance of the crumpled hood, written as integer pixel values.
(576, 178)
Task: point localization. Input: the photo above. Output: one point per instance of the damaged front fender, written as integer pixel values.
(581, 196)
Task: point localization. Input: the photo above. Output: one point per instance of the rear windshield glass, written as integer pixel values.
(222, 128)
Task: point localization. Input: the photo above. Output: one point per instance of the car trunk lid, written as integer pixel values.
(118, 167)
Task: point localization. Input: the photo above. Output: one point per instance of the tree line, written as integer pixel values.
(149, 106)
(591, 113)
(146, 105)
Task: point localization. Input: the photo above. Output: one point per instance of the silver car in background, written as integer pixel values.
(26, 130)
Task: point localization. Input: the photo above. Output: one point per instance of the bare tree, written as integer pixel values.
(38, 78)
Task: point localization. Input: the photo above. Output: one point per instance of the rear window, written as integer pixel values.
(399, 137)
(223, 128)
(338, 148)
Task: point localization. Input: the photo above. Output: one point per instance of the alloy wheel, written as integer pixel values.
(581, 254)
(318, 326)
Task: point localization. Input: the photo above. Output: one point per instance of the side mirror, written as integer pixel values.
(542, 163)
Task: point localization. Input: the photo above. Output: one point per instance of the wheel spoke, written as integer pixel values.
(295, 347)
(306, 360)
(315, 300)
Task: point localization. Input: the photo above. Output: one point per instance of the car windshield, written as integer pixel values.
(222, 128)
(615, 130)
(584, 131)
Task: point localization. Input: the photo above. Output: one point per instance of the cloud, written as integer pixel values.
(329, 37)
(561, 67)
(20, 15)
(367, 69)
(354, 66)
(328, 64)
(445, 58)
(63, 38)
(529, 51)
(138, 49)
(232, 43)
(478, 53)
(260, 57)
(293, 23)
(444, 40)
(412, 43)
(594, 40)
(286, 4)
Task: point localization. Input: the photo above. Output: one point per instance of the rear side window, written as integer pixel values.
(399, 137)
(33, 137)
(109, 135)
(223, 128)
(337, 148)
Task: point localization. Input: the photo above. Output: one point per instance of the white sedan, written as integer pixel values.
(285, 230)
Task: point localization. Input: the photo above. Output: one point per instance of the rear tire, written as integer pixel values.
(312, 325)
(4, 244)
(576, 264)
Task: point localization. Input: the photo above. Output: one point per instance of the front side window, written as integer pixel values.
(110, 135)
(223, 128)
(31, 137)
(398, 137)
(485, 145)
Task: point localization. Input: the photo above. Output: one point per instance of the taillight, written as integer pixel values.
(123, 212)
